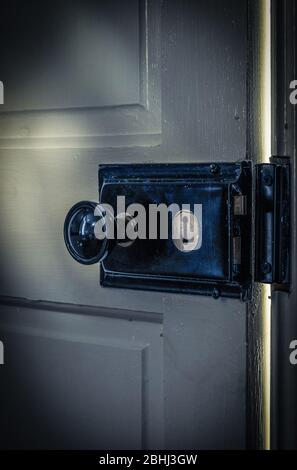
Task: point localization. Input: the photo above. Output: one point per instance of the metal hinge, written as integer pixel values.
(272, 223)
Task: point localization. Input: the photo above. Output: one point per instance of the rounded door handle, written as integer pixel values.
(80, 233)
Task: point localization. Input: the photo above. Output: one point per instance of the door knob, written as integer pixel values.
(90, 232)
(80, 235)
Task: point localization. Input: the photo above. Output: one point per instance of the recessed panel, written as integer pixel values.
(69, 54)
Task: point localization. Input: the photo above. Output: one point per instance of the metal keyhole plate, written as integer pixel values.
(187, 230)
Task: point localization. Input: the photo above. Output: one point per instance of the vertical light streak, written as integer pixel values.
(265, 119)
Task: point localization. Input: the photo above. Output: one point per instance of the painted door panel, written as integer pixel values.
(175, 375)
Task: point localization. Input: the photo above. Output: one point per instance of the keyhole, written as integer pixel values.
(187, 229)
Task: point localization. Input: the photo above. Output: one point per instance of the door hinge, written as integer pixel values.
(272, 223)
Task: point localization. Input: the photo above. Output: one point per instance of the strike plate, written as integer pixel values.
(272, 256)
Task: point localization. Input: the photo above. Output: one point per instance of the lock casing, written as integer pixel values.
(219, 196)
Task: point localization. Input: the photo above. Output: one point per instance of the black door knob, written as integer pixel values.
(80, 233)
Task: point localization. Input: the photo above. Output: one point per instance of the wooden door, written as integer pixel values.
(90, 82)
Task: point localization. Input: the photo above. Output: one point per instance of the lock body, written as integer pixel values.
(186, 227)
(203, 251)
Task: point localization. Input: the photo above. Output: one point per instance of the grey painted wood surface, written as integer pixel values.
(54, 67)
(80, 381)
(194, 109)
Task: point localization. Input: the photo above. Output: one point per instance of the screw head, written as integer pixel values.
(216, 293)
(268, 180)
(214, 168)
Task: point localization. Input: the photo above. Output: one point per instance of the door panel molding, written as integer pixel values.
(59, 307)
(108, 126)
(37, 339)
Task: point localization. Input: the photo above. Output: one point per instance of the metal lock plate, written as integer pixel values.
(203, 252)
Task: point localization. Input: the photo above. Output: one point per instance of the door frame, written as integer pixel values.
(284, 306)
